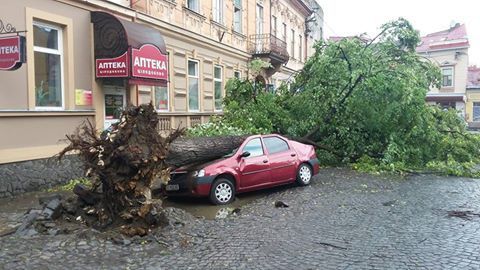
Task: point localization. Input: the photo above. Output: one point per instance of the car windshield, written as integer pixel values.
(231, 153)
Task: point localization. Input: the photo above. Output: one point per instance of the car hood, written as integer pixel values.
(197, 166)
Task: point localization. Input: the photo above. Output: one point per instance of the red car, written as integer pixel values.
(262, 161)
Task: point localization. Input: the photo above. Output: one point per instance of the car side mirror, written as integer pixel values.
(245, 154)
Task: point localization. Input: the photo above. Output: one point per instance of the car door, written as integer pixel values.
(254, 169)
(282, 159)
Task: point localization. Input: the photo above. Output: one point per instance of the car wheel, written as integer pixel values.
(222, 191)
(304, 174)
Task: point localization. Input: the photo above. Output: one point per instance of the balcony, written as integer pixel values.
(268, 46)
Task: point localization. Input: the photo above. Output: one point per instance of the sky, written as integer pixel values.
(352, 17)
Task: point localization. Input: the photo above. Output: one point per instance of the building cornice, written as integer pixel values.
(177, 31)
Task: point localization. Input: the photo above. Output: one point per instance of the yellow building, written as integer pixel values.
(449, 50)
(86, 59)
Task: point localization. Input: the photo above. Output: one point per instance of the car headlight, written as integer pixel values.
(201, 173)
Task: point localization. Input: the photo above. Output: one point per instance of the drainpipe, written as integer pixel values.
(270, 37)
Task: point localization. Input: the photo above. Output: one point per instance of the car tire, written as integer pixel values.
(222, 191)
(304, 174)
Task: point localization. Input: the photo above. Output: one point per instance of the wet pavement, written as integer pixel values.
(344, 220)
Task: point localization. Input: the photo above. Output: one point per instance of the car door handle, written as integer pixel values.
(293, 154)
(265, 161)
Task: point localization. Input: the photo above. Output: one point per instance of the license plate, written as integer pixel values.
(172, 187)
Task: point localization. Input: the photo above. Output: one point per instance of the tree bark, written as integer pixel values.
(185, 151)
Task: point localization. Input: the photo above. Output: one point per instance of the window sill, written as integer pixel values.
(172, 2)
(239, 34)
(446, 89)
(219, 24)
(195, 13)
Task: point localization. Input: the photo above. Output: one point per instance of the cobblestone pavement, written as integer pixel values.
(344, 220)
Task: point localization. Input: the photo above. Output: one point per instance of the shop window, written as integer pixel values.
(447, 77)
(218, 87)
(193, 5)
(237, 16)
(144, 94)
(193, 86)
(476, 111)
(218, 11)
(161, 98)
(48, 58)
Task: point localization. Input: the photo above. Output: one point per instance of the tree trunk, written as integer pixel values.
(185, 151)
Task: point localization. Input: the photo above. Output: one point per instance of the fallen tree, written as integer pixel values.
(187, 150)
(359, 101)
(124, 162)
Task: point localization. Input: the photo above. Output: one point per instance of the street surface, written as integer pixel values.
(344, 220)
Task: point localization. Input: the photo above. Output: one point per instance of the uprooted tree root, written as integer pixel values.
(122, 165)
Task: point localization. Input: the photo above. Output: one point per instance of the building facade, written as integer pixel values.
(473, 97)
(449, 50)
(87, 59)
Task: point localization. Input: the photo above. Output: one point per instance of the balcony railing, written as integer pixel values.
(268, 44)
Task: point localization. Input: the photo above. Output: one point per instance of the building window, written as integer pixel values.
(292, 49)
(284, 32)
(237, 16)
(193, 5)
(218, 11)
(300, 48)
(48, 57)
(237, 74)
(218, 87)
(445, 105)
(274, 26)
(193, 86)
(476, 111)
(259, 20)
(161, 98)
(447, 77)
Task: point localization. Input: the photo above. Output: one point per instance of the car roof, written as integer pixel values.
(266, 135)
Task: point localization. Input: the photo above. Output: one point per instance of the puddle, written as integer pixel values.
(24, 202)
(12, 210)
(201, 207)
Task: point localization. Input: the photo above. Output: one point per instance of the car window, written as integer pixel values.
(254, 146)
(275, 145)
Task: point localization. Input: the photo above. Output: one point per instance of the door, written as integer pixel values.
(282, 159)
(115, 100)
(254, 169)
